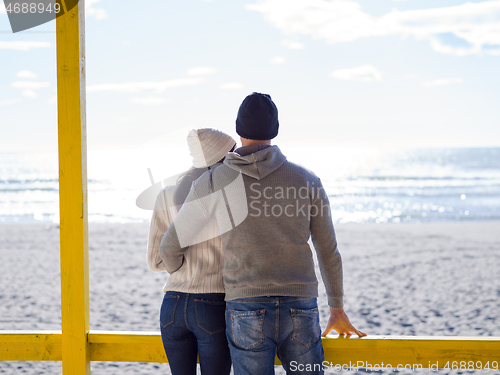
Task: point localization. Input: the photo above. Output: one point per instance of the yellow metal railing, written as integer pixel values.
(76, 345)
(370, 351)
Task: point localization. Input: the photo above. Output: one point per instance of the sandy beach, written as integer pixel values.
(399, 279)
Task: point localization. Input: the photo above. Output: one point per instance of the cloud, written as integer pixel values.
(152, 100)
(292, 45)
(442, 82)
(200, 71)
(26, 74)
(364, 73)
(23, 45)
(141, 86)
(5, 103)
(29, 93)
(458, 30)
(277, 60)
(29, 85)
(231, 86)
(97, 13)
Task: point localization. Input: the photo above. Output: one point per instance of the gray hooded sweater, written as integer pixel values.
(265, 209)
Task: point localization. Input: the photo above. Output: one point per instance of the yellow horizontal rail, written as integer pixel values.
(402, 351)
(30, 345)
(394, 351)
(126, 346)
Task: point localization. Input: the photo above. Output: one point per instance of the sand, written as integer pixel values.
(399, 279)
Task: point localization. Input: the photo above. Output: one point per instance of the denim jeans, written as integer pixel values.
(191, 325)
(258, 328)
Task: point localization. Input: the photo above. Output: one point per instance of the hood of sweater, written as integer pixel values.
(256, 161)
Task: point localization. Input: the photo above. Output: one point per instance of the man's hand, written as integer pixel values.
(340, 323)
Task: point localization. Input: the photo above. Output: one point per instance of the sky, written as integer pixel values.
(367, 73)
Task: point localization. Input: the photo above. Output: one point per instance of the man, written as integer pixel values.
(265, 208)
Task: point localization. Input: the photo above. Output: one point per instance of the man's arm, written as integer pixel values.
(325, 244)
(330, 262)
(191, 226)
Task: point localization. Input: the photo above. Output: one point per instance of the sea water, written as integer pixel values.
(363, 185)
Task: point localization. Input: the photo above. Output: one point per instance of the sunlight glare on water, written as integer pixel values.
(363, 185)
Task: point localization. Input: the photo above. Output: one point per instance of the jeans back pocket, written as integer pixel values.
(246, 327)
(210, 315)
(306, 329)
(167, 311)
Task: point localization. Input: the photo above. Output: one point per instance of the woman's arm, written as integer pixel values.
(190, 227)
(160, 221)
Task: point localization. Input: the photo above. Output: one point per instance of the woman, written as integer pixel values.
(192, 318)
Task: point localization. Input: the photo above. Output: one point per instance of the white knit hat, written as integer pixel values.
(208, 146)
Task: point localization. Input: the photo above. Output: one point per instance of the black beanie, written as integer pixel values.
(257, 118)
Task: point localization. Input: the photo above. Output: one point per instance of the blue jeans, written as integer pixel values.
(258, 328)
(191, 325)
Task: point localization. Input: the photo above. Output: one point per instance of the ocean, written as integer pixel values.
(364, 185)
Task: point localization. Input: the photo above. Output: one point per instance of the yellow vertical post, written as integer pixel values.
(73, 190)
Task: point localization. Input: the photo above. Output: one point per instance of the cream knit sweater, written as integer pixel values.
(203, 262)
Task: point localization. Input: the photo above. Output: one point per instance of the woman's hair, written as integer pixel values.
(185, 182)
